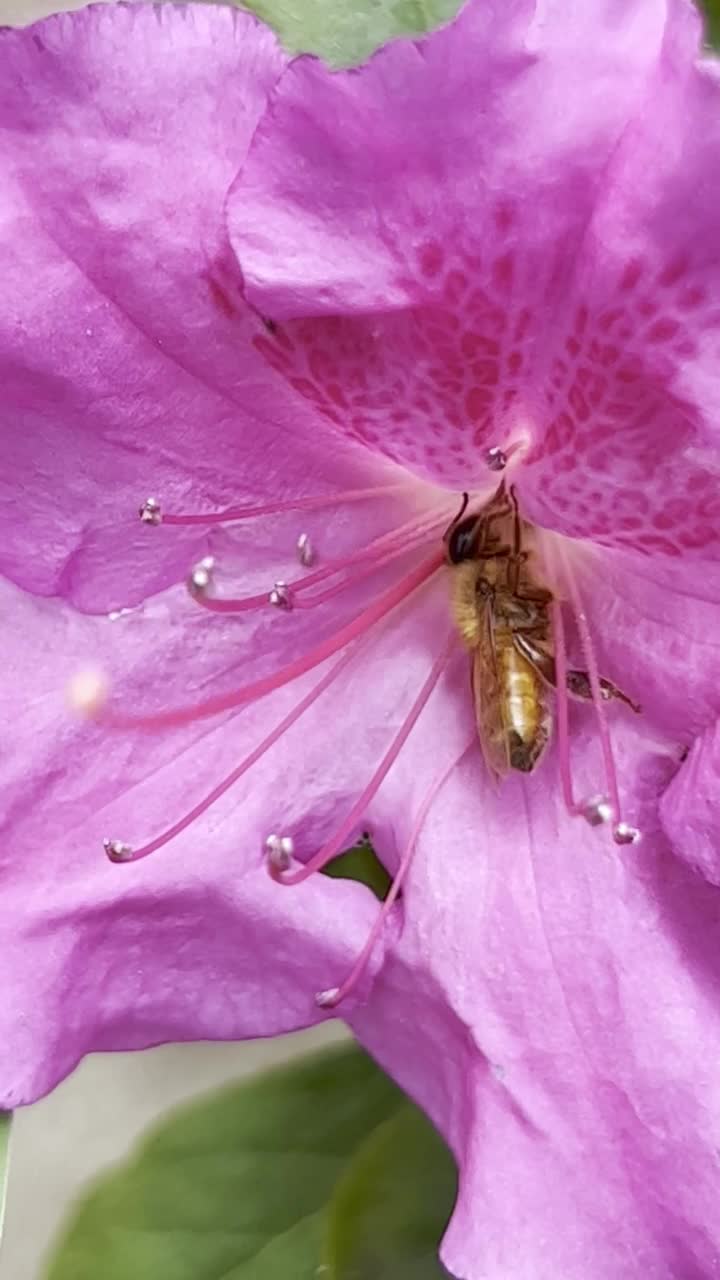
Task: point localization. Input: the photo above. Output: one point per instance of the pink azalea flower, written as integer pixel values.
(337, 301)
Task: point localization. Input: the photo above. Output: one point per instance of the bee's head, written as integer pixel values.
(461, 540)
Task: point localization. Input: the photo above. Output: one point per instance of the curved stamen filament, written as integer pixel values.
(331, 998)
(340, 836)
(369, 564)
(403, 537)
(563, 728)
(312, 503)
(134, 855)
(597, 696)
(375, 555)
(334, 643)
(622, 833)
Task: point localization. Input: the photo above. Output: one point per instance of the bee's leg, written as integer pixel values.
(501, 552)
(578, 682)
(517, 523)
(519, 556)
(538, 595)
(500, 513)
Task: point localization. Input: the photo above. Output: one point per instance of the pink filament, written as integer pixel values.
(562, 707)
(316, 503)
(331, 1001)
(398, 539)
(595, 688)
(267, 684)
(380, 552)
(346, 827)
(375, 560)
(231, 604)
(256, 754)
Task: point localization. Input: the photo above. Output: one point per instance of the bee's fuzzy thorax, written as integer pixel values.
(463, 602)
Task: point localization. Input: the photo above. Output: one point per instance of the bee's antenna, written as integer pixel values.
(456, 519)
(517, 535)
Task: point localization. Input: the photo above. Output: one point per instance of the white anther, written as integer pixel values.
(327, 999)
(200, 577)
(150, 512)
(115, 614)
(305, 550)
(281, 596)
(279, 850)
(623, 833)
(117, 850)
(87, 692)
(496, 458)
(597, 811)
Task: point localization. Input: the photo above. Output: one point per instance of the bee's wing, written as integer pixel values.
(539, 657)
(487, 698)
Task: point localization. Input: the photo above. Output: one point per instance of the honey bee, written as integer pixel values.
(502, 611)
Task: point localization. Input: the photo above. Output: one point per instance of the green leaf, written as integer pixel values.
(392, 1204)
(234, 1186)
(5, 1122)
(347, 31)
(712, 12)
(361, 863)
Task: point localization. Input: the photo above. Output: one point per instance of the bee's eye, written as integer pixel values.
(462, 542)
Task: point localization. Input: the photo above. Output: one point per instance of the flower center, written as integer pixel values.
(522, 630)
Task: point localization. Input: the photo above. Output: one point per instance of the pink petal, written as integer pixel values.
(654, 628)
(195, 941)
(631, 457)
(690, 808)
(551, 1000)
(464, 257)
(552, 1004)
(127, 362)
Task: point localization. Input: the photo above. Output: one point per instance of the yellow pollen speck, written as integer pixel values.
(87, 692)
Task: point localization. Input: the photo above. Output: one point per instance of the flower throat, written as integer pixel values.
(511, 623)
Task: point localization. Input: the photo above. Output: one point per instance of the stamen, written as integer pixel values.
(625, 834)
(370, 561)
(117, 850)
(496, 459)
(315, 503)
(305, 550)
(597, 810)
(563, 730)
(281, 596)
(622, 833)
(151, 512)
(384, 604)
(332, 997)
(339, 837)
(376, 554)
(278, 848)
(201, 576)
(328, 999)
